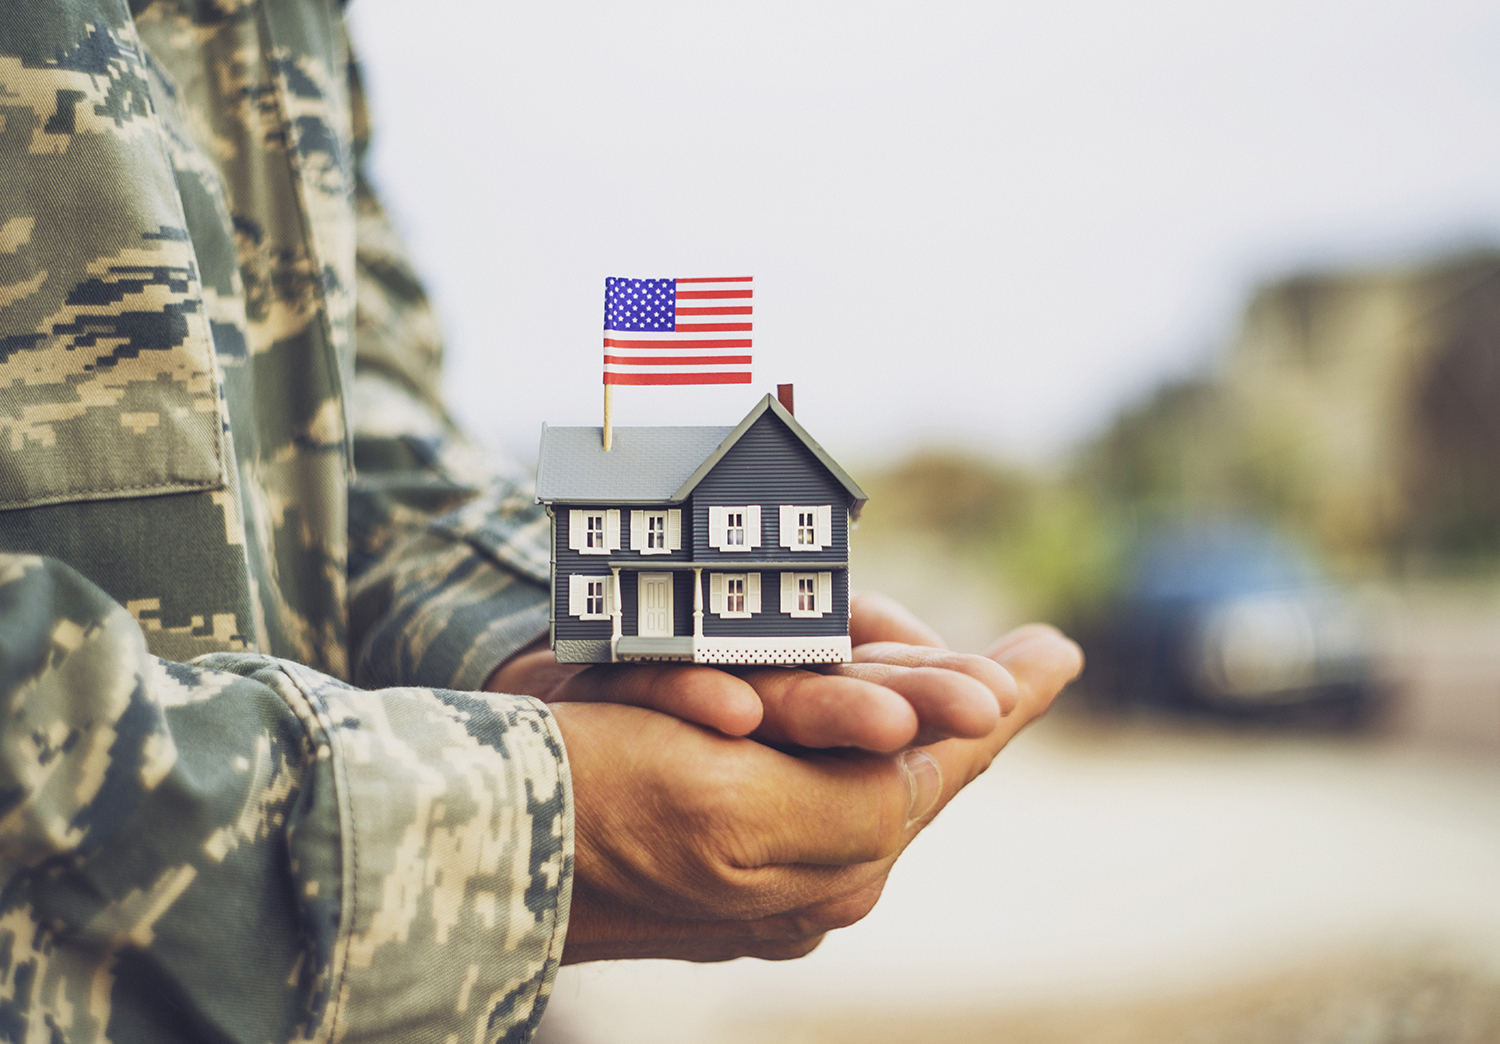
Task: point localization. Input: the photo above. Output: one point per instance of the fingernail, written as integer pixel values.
(924, 783)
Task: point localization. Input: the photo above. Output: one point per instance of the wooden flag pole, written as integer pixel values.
(609, 416)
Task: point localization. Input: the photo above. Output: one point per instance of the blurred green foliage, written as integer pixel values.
(1049, 541)
(1359, 411)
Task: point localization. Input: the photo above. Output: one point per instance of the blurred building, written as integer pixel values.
(1362, 408)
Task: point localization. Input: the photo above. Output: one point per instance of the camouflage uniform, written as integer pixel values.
(206, 325)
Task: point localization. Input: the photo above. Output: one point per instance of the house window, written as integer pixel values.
(734, 594)
(806, 527)
(807, 594)
(590, 597)
(656, 532)
(734, 528)
(594, 532)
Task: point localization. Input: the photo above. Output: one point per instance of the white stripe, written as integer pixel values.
(695, 368)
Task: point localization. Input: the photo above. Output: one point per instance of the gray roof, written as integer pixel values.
(645, 464)
(651, 465)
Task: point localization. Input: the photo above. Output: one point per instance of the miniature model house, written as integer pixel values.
(698, 544)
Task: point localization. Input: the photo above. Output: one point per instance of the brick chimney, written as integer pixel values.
(784, 396)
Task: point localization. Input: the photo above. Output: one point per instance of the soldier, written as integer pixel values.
(221, 441)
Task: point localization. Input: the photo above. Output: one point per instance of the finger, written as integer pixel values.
(830, 710)
(983, 669)
(947, 703)
(1042, 661)
(702, 695)
(1021, 635)
(876, 617)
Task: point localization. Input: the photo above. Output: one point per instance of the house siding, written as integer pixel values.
(682, 602)
(771, 622)
(770, 466)
(567, 562)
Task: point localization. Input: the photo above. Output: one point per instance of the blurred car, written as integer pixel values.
(1236, 619)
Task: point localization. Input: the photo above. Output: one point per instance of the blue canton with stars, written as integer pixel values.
(640, 304)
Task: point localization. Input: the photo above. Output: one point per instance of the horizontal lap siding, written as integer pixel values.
(630, 605)
(771, 622)
(770, 466)
(568, 562)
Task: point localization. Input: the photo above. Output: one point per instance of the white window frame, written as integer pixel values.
(822, 594)
(719, 587)
(579, 532)
(578, 596)
(718, 527)
(792, 531)
(670, 520)
(734, 529)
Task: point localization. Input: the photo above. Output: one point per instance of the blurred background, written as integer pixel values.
(1177, 324)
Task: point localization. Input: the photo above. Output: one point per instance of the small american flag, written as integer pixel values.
(677, 331)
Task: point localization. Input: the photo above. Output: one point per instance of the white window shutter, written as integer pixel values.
(716, 527)
(575, 529)
(788, 592)
(674, 529)
(637, 531)
(578, 592)
(716, 593)
(788, 525)
(752, 592)
(825, 593)
(825, 526)
(612, 529)
(609, 594)
(752, 525)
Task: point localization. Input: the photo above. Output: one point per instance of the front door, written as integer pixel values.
(656, 605)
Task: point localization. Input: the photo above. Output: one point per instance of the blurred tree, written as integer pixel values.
(1453, 473)
(1361, 410)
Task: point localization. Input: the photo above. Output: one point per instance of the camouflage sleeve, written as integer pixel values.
(243, 849)
(448, 562)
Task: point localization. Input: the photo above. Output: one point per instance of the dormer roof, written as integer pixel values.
(654, 465)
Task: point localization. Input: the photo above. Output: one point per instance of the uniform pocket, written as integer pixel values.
(108, 385)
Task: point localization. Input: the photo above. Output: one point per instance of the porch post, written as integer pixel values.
(697, 608)
(615, 617)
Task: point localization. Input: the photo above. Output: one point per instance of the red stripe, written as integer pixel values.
(701, 295)
(717, 279)
(715, 311)
(612, 342)
(677, 360)
(713, 327)
(677, 378)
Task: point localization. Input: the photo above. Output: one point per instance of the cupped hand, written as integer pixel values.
(701, 846)
(902, 688)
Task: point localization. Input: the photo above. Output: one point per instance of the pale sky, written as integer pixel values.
(985, 224)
